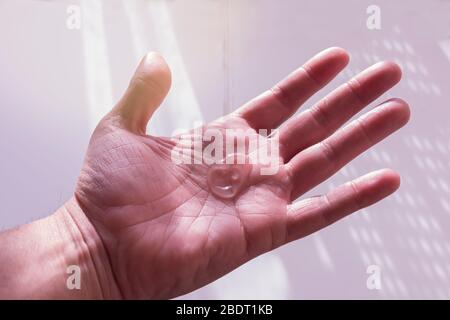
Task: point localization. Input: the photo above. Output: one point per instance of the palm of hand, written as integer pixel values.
(156, 210)
(165, 232)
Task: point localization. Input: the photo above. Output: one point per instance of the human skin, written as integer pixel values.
(141, 226)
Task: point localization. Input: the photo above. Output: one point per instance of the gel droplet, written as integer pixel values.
(227, 180)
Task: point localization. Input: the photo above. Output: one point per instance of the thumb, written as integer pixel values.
(147, 90)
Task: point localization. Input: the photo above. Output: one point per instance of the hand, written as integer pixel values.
(165, 234)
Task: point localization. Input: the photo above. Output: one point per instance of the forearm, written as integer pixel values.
(35, 259)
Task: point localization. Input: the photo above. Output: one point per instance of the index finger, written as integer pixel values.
(274, 106)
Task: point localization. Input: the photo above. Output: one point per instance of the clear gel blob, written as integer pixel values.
(226, 180)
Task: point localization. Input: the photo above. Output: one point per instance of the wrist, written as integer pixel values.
(86, 253)
(58, 257)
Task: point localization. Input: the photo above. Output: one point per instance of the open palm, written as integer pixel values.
(166, 233)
